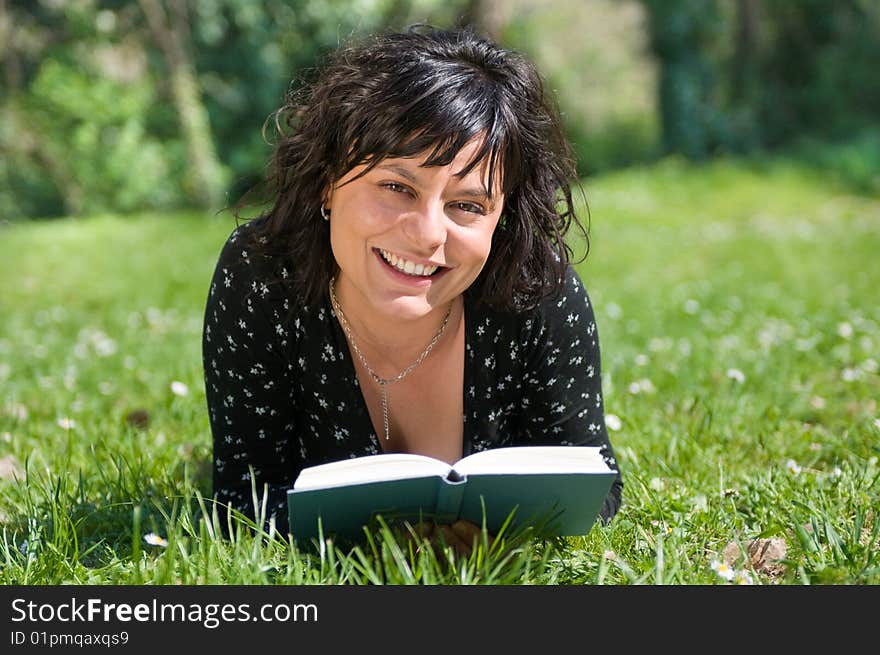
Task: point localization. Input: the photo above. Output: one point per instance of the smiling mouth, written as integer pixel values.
(407, 267)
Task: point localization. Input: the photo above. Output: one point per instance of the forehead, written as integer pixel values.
(471, 164)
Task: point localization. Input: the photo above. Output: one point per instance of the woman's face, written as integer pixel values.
(408, 239)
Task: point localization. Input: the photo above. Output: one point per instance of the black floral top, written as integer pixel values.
(282, 392)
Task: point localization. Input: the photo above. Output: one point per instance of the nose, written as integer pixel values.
(426, 227)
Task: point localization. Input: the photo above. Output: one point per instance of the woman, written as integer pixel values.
(409, 288)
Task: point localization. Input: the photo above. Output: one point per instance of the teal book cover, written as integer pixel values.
(560, 488)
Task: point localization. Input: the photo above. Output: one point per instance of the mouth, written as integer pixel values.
(409, 268)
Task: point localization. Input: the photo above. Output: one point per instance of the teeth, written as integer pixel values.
(406, 266)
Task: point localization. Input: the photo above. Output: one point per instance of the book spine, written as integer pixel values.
(449, 497)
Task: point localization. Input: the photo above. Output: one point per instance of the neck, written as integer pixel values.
(390, 343)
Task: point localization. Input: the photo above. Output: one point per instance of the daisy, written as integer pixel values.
(793, 467)
(736, 374)
(613, 422)
(66, 423)
(643, 385)
(849, 374)
(723, 570)
(742, 577)
(155, 540)
(178, 388)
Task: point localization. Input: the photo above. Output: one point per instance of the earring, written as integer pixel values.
(324, 213)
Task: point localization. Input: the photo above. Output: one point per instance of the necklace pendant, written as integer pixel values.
(384, 390)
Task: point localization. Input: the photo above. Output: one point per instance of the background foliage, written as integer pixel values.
(130, 105)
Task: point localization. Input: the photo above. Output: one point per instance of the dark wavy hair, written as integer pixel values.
(426, 90)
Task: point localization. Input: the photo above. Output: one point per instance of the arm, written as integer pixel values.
(245, 351)
(562, 387)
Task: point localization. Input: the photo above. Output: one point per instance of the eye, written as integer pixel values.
(470, 207)
(396, 187)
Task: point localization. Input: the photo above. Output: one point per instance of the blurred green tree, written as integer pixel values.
(170, 29)
(683, 35)
(74, 118)
(737, 75)
(123, 105)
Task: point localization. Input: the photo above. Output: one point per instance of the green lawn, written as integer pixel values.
(740, 326)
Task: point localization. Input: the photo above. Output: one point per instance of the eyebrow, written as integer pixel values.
(478, 193)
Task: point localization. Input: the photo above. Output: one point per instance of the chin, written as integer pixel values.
(410, 309)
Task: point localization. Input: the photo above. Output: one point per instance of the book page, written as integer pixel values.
(372, 468)
(533, 459)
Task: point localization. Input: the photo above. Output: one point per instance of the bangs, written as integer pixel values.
(435, 115)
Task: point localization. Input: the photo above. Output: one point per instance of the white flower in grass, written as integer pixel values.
(155, 540)
(845, 330)
(19, 412)
(691, 306)
(877, 423)
(736, 374)
(642, 386)
(104, 346)
(792, 467)
(178, 388)
(742, 577)
(723, 570)
(613, 422)
(66, 423)
(850, 374)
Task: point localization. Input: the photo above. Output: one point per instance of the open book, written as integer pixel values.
(561, 488)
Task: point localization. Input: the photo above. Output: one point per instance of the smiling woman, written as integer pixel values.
(410, 288)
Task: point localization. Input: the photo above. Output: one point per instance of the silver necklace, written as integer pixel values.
(383, 382)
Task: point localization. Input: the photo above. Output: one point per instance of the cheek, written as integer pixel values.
(478, 244)
(367, 214)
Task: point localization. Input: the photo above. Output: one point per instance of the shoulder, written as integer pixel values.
(566, 314)
(252, 283)
(243, 245)
(246, 256)
(569, 304)
(569, 314)
(572, 294)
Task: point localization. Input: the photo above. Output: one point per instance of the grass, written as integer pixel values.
(737, 307)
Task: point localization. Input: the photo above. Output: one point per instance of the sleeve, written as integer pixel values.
(562, 399)
(247, 385)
